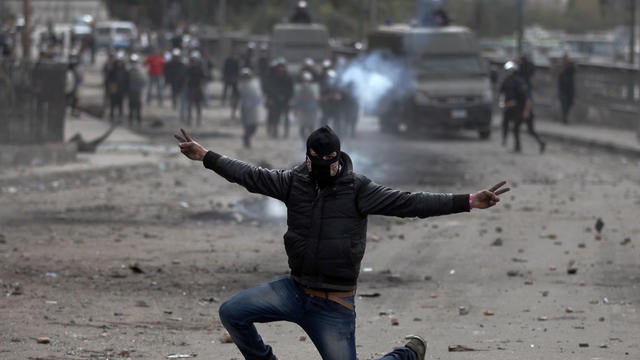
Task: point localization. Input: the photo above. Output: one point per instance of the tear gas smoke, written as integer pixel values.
(375, 80)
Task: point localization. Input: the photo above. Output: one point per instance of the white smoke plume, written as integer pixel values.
(375, 80)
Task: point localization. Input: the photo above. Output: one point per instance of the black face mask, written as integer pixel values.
(321, 169)
(323, 141)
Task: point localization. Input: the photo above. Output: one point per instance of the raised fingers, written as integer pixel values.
(502, 191)
(497, 186)
(184, 133)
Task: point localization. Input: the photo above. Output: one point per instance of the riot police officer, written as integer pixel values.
(517, 106)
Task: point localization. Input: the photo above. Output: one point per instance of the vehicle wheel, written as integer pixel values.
(484, 133)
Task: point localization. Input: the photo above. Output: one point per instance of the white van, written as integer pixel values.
(116, 34)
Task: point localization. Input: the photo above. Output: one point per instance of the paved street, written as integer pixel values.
(129, 252)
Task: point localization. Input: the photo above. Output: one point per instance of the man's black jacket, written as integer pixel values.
(326, 235)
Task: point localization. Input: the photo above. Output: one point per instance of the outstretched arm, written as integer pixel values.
(273, 183)
(380, 200)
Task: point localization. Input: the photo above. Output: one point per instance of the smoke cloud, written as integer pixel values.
(375, 80)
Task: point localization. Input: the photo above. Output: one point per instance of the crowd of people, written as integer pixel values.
(126, 76)
(250, 79)
(312, 96)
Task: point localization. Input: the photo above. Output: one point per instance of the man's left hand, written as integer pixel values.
(487, 198)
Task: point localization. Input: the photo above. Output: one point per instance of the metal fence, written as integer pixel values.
(605, 95)
(32, 102)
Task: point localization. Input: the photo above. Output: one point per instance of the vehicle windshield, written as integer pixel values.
(123, 31)
(449, 65)
(299, 52)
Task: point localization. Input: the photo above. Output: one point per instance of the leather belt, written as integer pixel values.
(335, 296)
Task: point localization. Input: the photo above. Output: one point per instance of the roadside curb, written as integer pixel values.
(608, 146)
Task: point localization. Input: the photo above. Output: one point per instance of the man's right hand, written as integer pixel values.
(189, 147)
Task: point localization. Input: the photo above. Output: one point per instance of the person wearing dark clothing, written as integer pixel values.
(195, 79)
(327, 209)
(118, 85)
(526, 70)
(432, 14)
(279, 91)
(5, 46)
(300, 14)
(517, 107)
(230, 74)
(106, 69)
(566, 87)
(440, 16)
(174, 73)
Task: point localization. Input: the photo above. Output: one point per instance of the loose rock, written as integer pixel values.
(43, 340)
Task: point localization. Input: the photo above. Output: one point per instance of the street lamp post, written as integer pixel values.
(520, 24)
(632, 31)
(26, 31)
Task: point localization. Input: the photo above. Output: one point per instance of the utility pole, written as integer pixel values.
(478, 9)
(361, 21)
(222, 23)
(373, 15)
(26, 31)
(520, 24)
(632, 31)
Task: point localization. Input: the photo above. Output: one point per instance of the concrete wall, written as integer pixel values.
(32, 103)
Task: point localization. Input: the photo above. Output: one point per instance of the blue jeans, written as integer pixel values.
(328, 324)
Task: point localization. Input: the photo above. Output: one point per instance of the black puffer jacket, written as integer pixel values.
(326, 235)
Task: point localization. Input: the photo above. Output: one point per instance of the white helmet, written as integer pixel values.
(511, 66)
(306, 76)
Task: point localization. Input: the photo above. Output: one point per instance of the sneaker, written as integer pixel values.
(418, 345)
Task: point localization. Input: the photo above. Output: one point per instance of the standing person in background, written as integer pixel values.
(207, 66)
(136, 84)
(106, 69)
(517, 107)
(305, 104)
(300, 14)
(279, 91)
(230, 73)
(155, 66)
(118, 85)
(250, 101)
(194, 82)
(174, 73)
(566, 86)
